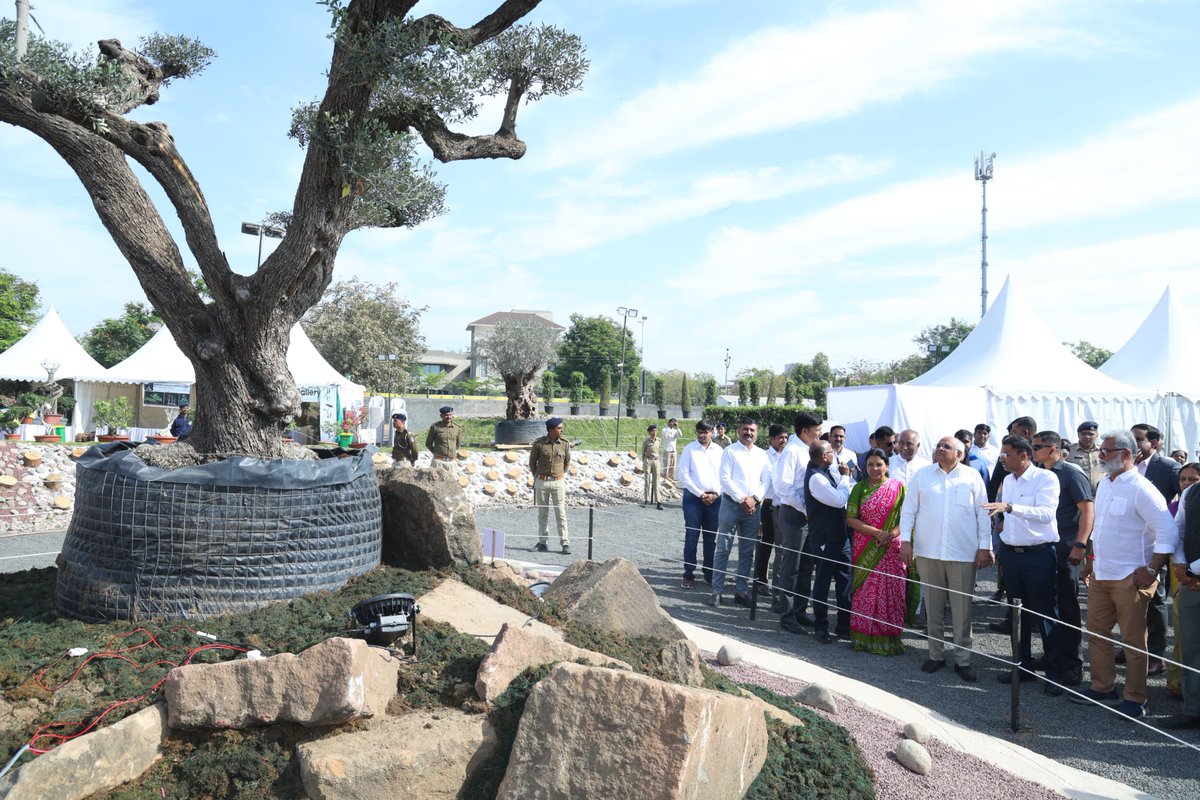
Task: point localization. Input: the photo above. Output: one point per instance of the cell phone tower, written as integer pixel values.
(983, 174)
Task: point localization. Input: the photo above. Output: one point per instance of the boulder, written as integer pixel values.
(470, 610)
(419, 756)
(681, 659)
(774, 712)
(93, 764)
(818, 696)
(329, 683)
(603, 733)
(611, 596)
(428, 522)
(729, 655)
(914, 757)
(516, 648)
(917, 731)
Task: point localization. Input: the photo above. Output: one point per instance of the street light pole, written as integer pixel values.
(642, 356)
(625, 313)
(725, 388)
(260, 230)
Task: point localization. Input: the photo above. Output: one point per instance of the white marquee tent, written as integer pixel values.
(160, 366)
(49, 340)
(1011, 365)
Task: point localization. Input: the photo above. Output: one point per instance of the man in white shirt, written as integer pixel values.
(905, 463)
(1028, 535)
(700, 478)
(826, 491)
(795, 568)
(670, 439)
(745, 472)
(943, 522)
(770, 513)
(983, 447)
(841, 453)
(1131, 540)
(1187, 606)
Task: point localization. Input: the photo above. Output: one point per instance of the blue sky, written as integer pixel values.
(775, 178)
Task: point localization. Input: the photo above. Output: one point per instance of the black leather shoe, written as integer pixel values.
(966, 672)
(1156, 667)
(780, 606)
(1052, 689)
(541, 547)
(1119, 658)
(1022, 676)
(805, 620)
(791, 627)
(932, 665)
(1072, 677)
(842, 633)
(741, 599)
(825, 637)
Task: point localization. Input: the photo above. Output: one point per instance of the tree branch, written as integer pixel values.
(495, 23)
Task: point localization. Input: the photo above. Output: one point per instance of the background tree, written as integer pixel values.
(764, 375)
(659, 394)
(591, 343)
(631, 394)
(710, 392)
(517, 351)
(549, 386)
(789, 392)
(949, 335)
(357, 322)
(18, 308)
(672, 384)
(743, 393)
(391, 80)
(1089, 353)
(685, 397)
(115, 339)
(604, 393)
(578, 388)
(754, 395)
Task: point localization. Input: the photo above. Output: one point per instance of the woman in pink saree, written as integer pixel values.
(878, 581)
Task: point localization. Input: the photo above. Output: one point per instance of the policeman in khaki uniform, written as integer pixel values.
(444, 439)
(721, 439)
(404, 444)
(1085, 453)
(548, 461)
(651, 447)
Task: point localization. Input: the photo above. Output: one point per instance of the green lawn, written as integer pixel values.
(596, 433)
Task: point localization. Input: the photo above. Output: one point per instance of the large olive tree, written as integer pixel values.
(393, 78)
(518, 351)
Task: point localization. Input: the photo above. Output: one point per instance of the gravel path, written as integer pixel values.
(1089, 738)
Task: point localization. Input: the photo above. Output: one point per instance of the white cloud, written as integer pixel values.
(785, 77)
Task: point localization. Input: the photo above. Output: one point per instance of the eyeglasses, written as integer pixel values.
(1042, 446)
(1107, 451)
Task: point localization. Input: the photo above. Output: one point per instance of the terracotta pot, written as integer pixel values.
(164, 439)
(357, 445)
(12, 437)
(52, 419)
(111, 437)
(47, 437)
(27, 421)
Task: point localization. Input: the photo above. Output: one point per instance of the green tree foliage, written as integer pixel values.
(605, 390)
(743, 393)
(516, 351)
(631, 392)
(753, 387)
(591, 343)
(113, 340)
(710, 392)
(357, 322)
(18, 308)
(659, 394)
(947, 335)
(1089, 353)
(789, 392)
(685, 396)
(578, 387)
(549, 386)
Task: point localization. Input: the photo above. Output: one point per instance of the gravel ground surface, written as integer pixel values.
(954, 773)
(1089, 738)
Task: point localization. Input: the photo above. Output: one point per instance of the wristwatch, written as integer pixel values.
(1080, 545)
(1009, 509)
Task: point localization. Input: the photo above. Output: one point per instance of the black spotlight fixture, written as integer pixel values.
(384, 618)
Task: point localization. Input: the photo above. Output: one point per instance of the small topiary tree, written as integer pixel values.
(660, 396)
(754, 392)
(578, 388)
(710, 392)
(631, 396)
(743, 393)
(605, 388)
(685, 397)
(549, 389)
(789, 392)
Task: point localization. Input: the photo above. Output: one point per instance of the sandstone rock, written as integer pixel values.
(329, 683)
(914, 757)
(818, 696)
(917, 731)
(501, 570)
(774, 712)
(611, 596)
(681, 658)
(427, 519)
(601, 733)
(93, 764)
(511, 457)
(729, 655)
(425, 754)
(470, 610)
(516, 648)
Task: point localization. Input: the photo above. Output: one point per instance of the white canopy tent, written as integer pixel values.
(1011, 365)
(49, 340)
(161, 367)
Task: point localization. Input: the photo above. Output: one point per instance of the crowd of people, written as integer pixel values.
(897, 537)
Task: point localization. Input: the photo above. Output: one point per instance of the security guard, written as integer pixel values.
(548, 461)
(404, 444)
(721, 439)
(651, 447)
(444, 439)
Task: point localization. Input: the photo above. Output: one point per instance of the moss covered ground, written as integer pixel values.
(819, 760)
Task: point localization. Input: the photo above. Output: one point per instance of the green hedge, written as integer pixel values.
(765, 416)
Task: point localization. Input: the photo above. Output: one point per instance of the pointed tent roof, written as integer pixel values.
(1161, 354)
(1012, 349)
(49, 339)
(160, 360)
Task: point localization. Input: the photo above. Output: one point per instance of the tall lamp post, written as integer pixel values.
(625, 313)
(260, 230)
(642, 356)
(983, 174)
(728, 360)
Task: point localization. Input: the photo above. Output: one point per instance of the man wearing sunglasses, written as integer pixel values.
(1132, 538)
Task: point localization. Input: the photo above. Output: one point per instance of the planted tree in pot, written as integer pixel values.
(605, 389)
(549, 389)
(10, 420)
(517, 351)
(114, 415)
(660, 396)
(685, 397)
(577, 390)
(631, 398)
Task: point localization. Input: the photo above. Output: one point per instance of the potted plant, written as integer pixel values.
(631, 398)
(660, 397)
(113, 415)
(361, 419)
(346, 434)
(549, 387)
(685, 397)
(31, 402)
(577, 387)
(10, 419)
(605, 389)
